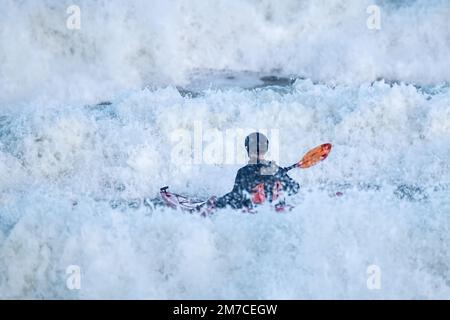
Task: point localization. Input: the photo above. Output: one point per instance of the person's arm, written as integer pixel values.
(289, 185)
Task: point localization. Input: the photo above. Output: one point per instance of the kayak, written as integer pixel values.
(207, 207)
(204, 207)
(183, 203)
(177, 201)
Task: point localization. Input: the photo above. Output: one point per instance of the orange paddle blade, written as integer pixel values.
(315, 155)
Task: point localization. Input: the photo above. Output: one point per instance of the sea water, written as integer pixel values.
(89, 119)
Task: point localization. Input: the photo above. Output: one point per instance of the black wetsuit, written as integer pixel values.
(264, 173)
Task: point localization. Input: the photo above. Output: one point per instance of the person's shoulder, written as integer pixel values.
(242, 170)
(245, 168)
(272, 164)
(248, 169)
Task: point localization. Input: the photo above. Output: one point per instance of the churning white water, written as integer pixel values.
(90, 120)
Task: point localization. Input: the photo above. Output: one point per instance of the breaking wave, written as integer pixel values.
(89, 117)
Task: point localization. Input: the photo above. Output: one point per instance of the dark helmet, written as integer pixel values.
(256, 144)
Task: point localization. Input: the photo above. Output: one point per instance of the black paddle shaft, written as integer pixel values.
(286, 169)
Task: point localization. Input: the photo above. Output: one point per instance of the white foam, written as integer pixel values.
(62, 162)
(58, 212)
(122, 45)
(320, 250)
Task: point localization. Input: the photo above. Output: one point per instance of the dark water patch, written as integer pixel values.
(429, 90)
(411, 193)
(6, 133)
(188, 93)
(102, 110)
(136, 203)
(104, 103)
(277, 81)
(10, 138)
(114, 186)
(441, 187)
(225, 79)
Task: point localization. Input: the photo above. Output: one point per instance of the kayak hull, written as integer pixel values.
(204, 207)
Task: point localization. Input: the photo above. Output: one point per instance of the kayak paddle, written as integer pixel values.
(312, 157)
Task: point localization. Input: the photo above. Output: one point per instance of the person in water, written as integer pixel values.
(260, 180)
